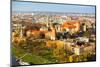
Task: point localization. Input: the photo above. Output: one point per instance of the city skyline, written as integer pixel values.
(51, 33)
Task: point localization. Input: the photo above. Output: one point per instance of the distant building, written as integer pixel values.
(51, 34)
(46, 32)
(43, 29)
(78, 50)
(71, 26)
(83, 39)
(83, 27)
(58, 28)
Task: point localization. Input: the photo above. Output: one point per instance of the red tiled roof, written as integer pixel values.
(69, 24)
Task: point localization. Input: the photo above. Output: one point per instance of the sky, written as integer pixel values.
(20, 6)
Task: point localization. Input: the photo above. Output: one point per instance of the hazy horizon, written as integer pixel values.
(19, 6)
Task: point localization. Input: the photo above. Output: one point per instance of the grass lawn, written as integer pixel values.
(35, 59)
